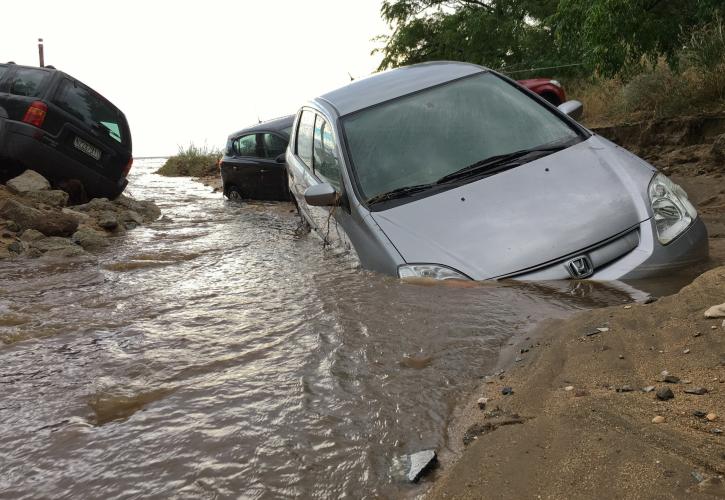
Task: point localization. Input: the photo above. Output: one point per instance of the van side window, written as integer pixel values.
(27, 82)
(326, 164)
(304, 137)
(3, 70)
(247, 146)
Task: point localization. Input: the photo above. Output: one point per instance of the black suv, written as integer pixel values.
(253, 166)
(54, 124)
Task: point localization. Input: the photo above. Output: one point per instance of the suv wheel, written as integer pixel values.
(234, 193)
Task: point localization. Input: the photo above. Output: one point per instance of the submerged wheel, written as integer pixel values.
(234, 194)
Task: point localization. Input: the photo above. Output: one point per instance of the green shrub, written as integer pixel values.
(192, 161)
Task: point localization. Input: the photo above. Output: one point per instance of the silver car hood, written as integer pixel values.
(526, 216)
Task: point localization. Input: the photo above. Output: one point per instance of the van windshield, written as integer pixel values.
(421, 138)
(94, 110)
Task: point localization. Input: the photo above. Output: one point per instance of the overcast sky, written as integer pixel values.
(186, 71)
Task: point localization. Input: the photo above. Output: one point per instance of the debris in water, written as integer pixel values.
(420, 463)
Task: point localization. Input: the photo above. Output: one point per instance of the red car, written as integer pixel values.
(551, 90)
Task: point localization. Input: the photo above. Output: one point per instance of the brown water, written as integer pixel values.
(217, 354)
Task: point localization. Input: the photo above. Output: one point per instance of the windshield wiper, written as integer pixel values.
(499, 162)
(401, 192)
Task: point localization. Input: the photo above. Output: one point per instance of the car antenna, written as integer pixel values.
(41, 55)
(259, 120)
(352, 78)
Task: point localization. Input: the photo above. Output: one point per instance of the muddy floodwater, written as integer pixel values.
(220, 353)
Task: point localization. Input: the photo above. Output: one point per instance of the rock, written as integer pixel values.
(89, 239)
(718, 148)
(696, 334)
(621, 356)
(84, 218)
(625, 388)
(54, 198)
(148, 210)
(697, 476)
(58, 247)
(659, 419)
(16, 247)
(569, 388)
(666, 377)
(48, 223)
(31, 235)
(650, 300)
(716, 311)
(29, 180)
(711, 417)
(628, 307)
(686, 351)
(507, 391)
(420, 463)
(482, 403)
(580, 393)
(699, 414)
(665, 394)
(696, 390)
(649, 388)
(108, 221)
(12, 226)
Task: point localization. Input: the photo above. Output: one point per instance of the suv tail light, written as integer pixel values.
(128, 166)
(35, 115)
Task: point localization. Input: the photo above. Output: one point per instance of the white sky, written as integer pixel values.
(198, 70)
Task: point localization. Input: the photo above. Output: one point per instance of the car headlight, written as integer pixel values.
(555, 83)
(673, 212)
(431, 271)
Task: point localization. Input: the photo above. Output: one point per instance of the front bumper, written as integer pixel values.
(648, 258)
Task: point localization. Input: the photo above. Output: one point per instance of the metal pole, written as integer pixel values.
(40, 52)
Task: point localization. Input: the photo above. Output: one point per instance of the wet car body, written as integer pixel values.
(253, 164)
(53, 123)
(583, 209)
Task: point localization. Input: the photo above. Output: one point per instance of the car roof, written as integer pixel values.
(391, 84)
(276, 125)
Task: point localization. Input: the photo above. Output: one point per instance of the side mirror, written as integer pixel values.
(281, 158)
(321, 195)
(575, 109)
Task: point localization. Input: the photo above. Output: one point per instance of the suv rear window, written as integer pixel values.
(94, 110)
(27, 82)
(3, 70)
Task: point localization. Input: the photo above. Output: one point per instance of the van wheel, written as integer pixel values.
(234, 194)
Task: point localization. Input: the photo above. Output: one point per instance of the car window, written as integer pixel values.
(304, 137)
(3, 70)
(325, 156)
(27, 82)
(247, 146)
(274, 145)
(92, 109)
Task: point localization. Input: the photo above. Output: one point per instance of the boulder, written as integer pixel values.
(82, 217)
(58, 247)
(717, 311)
(31, 235)
(146, 209)
(108, 220)
(90, 239)
(48, 223)
(29, 180)
(718, 148)
(53, 198)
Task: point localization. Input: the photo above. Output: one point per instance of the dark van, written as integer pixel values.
(56, 125)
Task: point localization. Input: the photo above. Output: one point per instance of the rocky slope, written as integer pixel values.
(35, 220)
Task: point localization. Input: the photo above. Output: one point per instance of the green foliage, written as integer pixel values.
(192, 161)
(606, 37)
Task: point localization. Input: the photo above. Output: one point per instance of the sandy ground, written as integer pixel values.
(572, 427)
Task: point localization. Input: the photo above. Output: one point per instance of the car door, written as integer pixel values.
(299, 163)
(275, 174)
(245, 167)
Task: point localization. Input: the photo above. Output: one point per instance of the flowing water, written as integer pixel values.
(220, 353)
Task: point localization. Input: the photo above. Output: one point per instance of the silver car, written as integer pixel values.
(452, 171)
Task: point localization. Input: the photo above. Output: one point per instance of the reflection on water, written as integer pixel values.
(218, 353)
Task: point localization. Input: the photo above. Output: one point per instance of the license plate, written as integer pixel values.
(88, 149)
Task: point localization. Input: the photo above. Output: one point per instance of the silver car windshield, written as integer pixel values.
(423, 137)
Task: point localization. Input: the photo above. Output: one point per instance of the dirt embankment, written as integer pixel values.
(588, 392)
(35, 221)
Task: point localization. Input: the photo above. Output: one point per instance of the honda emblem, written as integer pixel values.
(580, 267)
